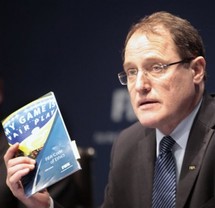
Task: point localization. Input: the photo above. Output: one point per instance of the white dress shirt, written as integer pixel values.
(180, 134)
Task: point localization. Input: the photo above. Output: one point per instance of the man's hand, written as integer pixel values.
(17, 168)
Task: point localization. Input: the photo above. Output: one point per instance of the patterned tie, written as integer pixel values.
(164, 187)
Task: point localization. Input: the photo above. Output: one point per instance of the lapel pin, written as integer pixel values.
(192, 167)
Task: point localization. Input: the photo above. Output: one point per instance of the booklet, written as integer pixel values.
(39, 129)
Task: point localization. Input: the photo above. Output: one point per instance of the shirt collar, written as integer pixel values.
(181, 132)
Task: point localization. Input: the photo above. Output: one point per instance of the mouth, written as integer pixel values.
(147, 103)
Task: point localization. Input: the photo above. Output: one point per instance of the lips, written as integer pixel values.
(146, 102)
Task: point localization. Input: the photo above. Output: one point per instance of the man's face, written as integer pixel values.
(164, 101)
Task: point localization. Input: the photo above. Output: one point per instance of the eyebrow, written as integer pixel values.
(151, 59)
(127, 65)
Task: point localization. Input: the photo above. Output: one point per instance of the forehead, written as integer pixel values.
(149, 45)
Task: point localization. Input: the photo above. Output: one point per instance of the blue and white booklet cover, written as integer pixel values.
(40, 130)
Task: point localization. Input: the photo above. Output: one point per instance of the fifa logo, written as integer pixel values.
(121, 108)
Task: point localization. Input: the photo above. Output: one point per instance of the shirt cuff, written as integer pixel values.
(51, 203)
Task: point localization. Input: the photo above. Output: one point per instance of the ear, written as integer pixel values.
(198, 66)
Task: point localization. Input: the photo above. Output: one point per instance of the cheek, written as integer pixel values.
(178, 90)
(131, 94)
(168, 91)
(133, 97)
(172, 85)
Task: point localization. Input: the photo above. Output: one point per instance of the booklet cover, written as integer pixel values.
(41, 132)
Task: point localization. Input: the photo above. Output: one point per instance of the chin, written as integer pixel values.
(148, 119)
(151, 123)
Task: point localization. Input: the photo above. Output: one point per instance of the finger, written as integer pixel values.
(10, 152)
(16, 188)
(20, 160)
(14, 179)
(19, 167)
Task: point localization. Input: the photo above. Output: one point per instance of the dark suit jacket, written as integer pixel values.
(133, 158)
(65, 192)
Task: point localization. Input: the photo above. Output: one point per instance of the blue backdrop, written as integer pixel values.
(73, 47)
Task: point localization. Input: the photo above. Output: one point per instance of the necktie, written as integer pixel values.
(164, 186)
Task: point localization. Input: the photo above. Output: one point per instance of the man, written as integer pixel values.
(164, 70)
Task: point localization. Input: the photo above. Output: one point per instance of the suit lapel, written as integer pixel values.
(146, 158)
(199, 138)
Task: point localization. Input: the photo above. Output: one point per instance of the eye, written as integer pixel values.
(131, 72)
(156, 68)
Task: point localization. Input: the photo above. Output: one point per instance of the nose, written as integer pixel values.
(142, 82)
